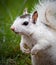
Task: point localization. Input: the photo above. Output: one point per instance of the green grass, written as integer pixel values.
(10, 53)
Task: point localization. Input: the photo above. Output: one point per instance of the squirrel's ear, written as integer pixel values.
(25, 11)
(34, 17)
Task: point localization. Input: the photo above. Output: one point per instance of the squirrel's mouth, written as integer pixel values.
(20, 33)
(17, 32)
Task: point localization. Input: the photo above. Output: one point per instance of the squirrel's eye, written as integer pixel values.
(25, 23)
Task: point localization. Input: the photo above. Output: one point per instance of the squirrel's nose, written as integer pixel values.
(12, 29)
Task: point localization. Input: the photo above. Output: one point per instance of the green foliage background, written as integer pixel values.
(10, 53)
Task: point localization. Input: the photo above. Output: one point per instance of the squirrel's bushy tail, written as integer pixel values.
(47, 12)
(50, 15)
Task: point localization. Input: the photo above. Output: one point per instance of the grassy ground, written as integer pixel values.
(10, 53)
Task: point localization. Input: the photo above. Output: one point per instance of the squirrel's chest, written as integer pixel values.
(30, 41)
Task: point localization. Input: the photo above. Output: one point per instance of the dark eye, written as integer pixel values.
(25, 23)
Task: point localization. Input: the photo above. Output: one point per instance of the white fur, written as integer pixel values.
(39, 38)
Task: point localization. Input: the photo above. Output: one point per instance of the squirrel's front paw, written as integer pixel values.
(34, 51)
(25, 50)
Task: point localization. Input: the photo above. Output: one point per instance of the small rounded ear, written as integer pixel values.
(34, 17)
(25, 11)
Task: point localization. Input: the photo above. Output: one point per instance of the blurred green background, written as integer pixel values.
(10, 53)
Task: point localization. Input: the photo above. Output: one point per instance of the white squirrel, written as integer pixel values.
(38, 33)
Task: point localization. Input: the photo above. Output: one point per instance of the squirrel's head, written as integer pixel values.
(24, 24)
